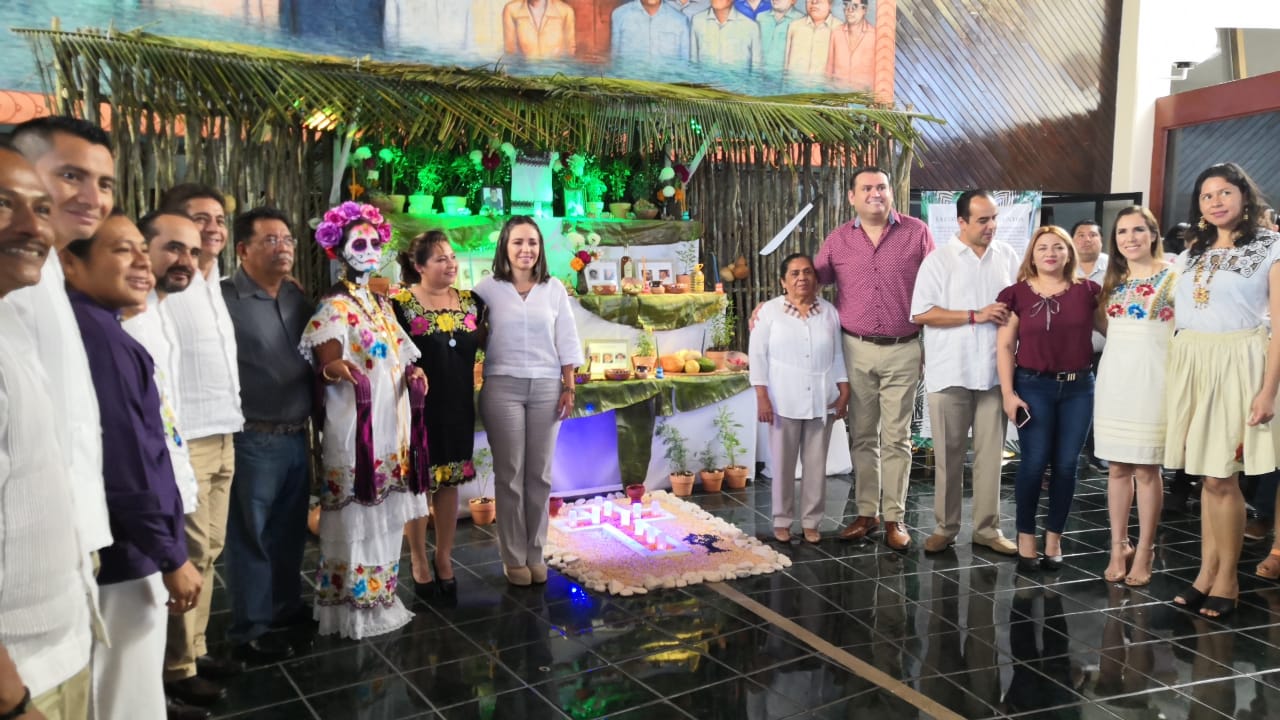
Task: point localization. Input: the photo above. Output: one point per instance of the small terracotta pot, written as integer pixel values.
(717, 356)
(379, 284)
(483, 510)
(644, 361)
(682, 484)
(635, 492)
(711, 480)
(735, 476)
(554, 506)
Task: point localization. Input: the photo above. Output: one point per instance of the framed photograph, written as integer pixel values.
(659, 272)
(607, 355)
(602, 272)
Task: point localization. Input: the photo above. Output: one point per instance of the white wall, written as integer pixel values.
(1153, 35)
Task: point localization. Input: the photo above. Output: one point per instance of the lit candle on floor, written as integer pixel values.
(654, 509)
(651, 536)
(608, 508)
(636, 509)
(595, 514)
(624, 518)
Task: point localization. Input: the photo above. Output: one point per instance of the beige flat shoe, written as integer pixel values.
(812, 536)
(782, 535)
(519, 576)
(538, 573)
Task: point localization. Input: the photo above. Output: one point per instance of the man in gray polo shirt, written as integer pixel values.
(267, 529)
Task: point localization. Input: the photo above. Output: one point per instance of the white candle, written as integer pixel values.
(595, 514)
(624, 518)
(651, 535)
(608, 508)
(636, 509)
(654, 509)
(639, 528)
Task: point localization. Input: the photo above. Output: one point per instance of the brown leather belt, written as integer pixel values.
(883, 339)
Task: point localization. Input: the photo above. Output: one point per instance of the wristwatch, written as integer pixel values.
(21, 708)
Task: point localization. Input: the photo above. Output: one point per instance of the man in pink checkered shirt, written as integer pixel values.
(873, 261)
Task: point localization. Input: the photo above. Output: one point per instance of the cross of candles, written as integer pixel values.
(628, 519)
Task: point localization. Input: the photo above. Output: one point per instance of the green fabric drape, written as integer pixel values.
(656, 312)
(473, 231)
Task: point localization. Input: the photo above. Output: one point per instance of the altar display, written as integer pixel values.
(611, 543)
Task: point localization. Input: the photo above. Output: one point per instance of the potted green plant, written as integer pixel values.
(616, 174)
(430, 179)
(646, 354)
(710, 475)
(687, 254)
(483, 508)
(677, 454)
(595, 189)
(721, 329)
(735, 475)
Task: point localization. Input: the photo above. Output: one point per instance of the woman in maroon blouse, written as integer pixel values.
(1044, 354)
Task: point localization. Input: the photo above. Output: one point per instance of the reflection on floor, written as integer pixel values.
(959, 627)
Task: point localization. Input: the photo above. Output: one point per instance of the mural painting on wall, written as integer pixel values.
(758, 47)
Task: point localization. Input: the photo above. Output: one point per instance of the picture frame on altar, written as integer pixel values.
(660, 272)
(602, 272)
(607, 355)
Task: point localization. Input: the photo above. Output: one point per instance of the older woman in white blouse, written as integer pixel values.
(797, 368)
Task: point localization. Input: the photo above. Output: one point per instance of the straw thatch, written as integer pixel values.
(261, 123)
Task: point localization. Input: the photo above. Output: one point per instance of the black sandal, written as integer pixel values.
(1191, 598)
(1223, 606)
(448, 589)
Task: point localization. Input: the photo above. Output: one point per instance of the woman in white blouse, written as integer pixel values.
(528, 388)
(797, 368)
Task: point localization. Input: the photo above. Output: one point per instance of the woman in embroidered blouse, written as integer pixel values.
(368, 491)
(1044, 355)
(528, 388)
(1129, 410)
(447, 325)
(797, 368)
(1224, 368)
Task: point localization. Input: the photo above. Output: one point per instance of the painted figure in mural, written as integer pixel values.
(752, 8)
(649, 30)
(440, 27)
(690, 8)
(486, 28)
(773, 33)
(538, 29)
(852, 61)
(723, 36)
(809, 41)
(369, 489)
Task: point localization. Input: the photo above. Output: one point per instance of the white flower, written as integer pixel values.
(508, 149)
(476, 156)
(593, 239)
(575, 239)
(668, 191)
(666, 174)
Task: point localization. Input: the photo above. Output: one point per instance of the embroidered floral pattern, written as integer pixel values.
(361, 586)
(425, 322)
(452, 474)
(1243, 261)
(389, 475)
(1146, 298)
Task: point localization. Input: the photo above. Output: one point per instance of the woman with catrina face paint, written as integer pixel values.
(370, 487)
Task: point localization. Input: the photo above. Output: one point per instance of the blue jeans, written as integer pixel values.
(266, 531)
(1061, 413)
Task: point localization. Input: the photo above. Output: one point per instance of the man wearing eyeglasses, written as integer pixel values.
(266, 530)
(852, 61)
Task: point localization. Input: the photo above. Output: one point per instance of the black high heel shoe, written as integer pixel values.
(1052, 563)
(1223, 606)
(1192, 599)
(1028, 565)
(447, 590)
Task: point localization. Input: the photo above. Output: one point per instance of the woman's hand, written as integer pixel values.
(841, 405)
(565, 406)
(416, 375)
(1262, 409)
(764, 410)
(1011, 404)
(339, 371)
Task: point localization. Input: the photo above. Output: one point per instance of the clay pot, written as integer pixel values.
(379, 285)
(483, 510)
(716, 356)
(682, 484)
(735, 476)
(644, 361)
(554, 505)
(635, 492)
(619, 210)
(711, 480)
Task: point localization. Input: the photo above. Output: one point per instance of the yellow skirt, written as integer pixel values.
(1212, 379)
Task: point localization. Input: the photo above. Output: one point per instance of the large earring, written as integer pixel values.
(1246, 216)
(1202, 224)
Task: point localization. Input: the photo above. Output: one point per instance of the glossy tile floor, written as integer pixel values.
(959, 627)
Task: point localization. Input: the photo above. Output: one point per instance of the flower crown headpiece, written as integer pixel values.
(336, 221)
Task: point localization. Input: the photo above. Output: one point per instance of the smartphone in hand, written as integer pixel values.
(1021, 417)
